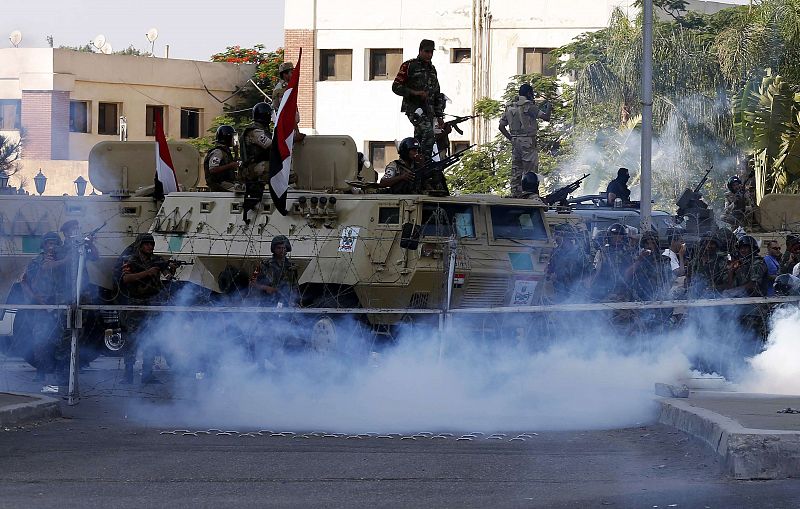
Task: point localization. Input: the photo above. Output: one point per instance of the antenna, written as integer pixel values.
(152, 35)
(15, 38)
(99, 42)
(107, 49)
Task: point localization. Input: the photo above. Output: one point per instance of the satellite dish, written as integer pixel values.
(15, 38)
(99, 42)
(107, 49)
(152, 35)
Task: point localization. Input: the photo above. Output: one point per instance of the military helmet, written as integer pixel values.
(526, 90)
(405, 147)
(530, 182)
(280, 239)
(747, 240)
(617, 229)
(225, 135)
(733, 180)
(144, 237)
(262, 113)
(50, 236)
(286, 66)
(791, 240)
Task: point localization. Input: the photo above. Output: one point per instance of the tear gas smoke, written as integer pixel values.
(776, 370)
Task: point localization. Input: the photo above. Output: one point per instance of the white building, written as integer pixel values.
(63, 102)
(353, 48)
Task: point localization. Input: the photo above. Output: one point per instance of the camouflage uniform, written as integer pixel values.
(257, 146)
(738, 208)
(708, 276)
(50, 332)
(521, 117)
(652, 278)
(219, 156)
(144, 292)
(277, 94)
(752, 268)
(395, 168)
(280, 275)
(609, 282)
(417, 75)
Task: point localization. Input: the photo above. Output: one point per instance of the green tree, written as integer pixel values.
(9, 155)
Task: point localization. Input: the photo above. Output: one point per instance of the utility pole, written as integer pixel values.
(646, 179)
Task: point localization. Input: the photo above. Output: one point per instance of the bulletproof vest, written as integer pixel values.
(521, 117)
(219, 177)
(255, 153)
(403, 187)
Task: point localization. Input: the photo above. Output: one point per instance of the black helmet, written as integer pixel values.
(280, 239)
(530, 182)
(225, 135)
(144, 237)
(733, 180)
(50, 236)
(262, 113)
(617, 229)
(747, 240)
(787, 284)
(405, 147)
(526, 90)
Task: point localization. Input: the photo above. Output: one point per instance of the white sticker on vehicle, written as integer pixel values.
(523, 292)
(347, 243)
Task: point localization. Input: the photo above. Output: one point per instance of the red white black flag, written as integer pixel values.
(280, 161)
(165, 180)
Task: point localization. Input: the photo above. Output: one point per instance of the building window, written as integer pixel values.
(190, 122)
(10, 114)
(79, 116)
(107, 118)
(153, 112)
(458, 146)
(384, 63)
(381, 153)
(537, 60)
(335, 65)
(460, 55)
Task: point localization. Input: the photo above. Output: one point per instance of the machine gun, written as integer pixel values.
(560, 195)
(691, 206)
(434, 171)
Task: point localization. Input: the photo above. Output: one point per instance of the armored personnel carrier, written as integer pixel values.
(123, 173)
(359, 248)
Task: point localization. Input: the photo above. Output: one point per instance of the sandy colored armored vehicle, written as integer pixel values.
(123, 173)
(359, 248)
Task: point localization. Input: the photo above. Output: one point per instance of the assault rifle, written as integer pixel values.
(453, 124)
(560, 195)
(434, 170)
(164, 264)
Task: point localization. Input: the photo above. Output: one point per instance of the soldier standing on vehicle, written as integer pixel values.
(417, 83)
(138, 277)
(285, 71)
(220, 166)
(522, 118)
(398, 175)
(738, 209)
(275, 281)
(618, 188)
(43, 283)
(256, 143)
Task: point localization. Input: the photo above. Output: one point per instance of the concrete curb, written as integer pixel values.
(747, 453)
(42, 407)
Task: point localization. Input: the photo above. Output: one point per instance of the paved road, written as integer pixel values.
(95, 457)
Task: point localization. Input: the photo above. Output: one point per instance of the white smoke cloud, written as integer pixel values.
(776, 370)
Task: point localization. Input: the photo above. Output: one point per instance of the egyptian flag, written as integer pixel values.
(280, 160)
(165, 180)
